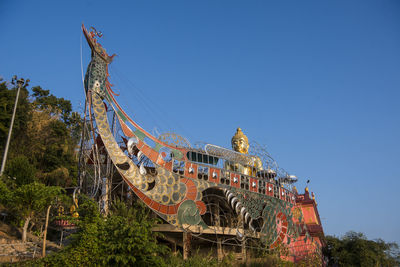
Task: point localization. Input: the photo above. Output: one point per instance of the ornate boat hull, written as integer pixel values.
(175, 189)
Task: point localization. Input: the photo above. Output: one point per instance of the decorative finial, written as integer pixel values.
(313, 197)
(96, 47)
(94, 32)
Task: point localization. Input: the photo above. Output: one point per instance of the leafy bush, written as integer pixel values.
(198, 260)
(21, 170)
(122, 239)
(4, 192)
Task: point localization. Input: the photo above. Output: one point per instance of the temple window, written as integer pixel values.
(202, 158)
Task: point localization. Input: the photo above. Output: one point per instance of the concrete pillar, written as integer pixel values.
(186, 245)
(244, 256)
(105, 191)
(220, 250)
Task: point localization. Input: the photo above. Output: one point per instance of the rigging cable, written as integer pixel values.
(152, 110)
(141, 100)
(83, 81)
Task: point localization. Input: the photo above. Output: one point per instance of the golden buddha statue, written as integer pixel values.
(240, 143)
(73, 209)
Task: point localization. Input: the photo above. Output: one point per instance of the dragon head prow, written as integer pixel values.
(91, 38)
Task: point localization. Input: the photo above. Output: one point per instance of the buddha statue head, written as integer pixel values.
(239, 141)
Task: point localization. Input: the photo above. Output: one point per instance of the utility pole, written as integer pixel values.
(20, 83)
(45, 232)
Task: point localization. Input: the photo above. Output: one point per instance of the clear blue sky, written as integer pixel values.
(315, 81)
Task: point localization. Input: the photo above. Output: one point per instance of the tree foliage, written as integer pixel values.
(21, 170)
(46, 101)
(4, 192)
(354, 249)
(54, 135)
(46, 129)
(33, 198)
(30, 200)
(122, 239)
(22, 117)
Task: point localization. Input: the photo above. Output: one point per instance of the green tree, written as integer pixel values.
(30, 200)
(43, 100)
(21, 170)
(354, 249)
(54, 134)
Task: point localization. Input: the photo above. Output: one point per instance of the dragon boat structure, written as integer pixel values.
(177, 181)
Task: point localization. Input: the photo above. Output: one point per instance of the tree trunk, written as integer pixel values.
(25, 229)
(31, 227)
